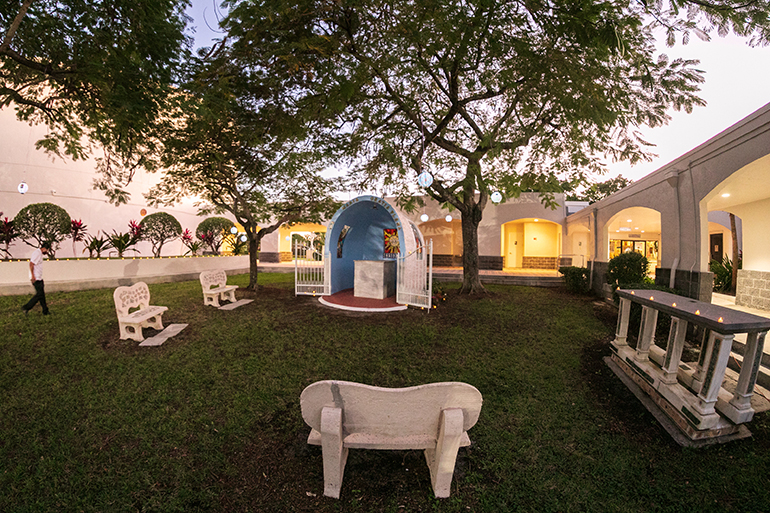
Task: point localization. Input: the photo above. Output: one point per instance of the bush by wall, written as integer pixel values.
(576, 279)
(212, 231)
(43, 222)
(627, 268)
(159, 228)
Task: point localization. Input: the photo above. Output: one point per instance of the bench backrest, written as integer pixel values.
(137, 295)
(390, 412)
(211, 279)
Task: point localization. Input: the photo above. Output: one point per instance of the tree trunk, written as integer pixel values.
(253, 256)
(470, 228)
(736, 256)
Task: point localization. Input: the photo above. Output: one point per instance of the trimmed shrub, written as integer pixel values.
(43, 222)
(212, 232)
(627, 268)
(576, 279)
(159, 228)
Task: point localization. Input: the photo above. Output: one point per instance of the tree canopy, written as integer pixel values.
(43, 222)
(212, 232)
(244, 145)
(93, 72)
(488, 95)
(159, 228)
(596, 191)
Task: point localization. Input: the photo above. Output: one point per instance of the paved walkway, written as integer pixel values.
(289, 267)
(729, 302)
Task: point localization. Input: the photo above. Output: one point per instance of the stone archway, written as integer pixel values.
(635, 229)
(447, 240)
(746, 193)
(531, 243)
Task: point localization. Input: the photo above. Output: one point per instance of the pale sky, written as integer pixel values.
(737, 84)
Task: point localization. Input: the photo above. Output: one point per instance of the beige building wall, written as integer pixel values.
(69, 184)
(730, 172)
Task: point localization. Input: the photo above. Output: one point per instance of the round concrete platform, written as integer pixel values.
(345, 300)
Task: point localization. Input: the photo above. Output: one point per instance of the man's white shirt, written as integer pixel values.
(37, 261)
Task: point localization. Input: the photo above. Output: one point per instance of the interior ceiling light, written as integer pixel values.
(726, 195)
(625, 229)
(630, 221)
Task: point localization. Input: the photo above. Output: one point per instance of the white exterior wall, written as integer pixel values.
(730, 172)
(756, 223)
(68, 184)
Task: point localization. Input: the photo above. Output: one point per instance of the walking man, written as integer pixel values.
(36, 277)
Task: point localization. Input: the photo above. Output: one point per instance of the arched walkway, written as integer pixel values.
(530, 243)
(299, 238)
(635, 229)
(447, 241)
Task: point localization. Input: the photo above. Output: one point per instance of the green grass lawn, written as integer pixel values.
(210, 421)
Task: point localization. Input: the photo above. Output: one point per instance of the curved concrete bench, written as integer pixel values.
(434, 417)
(215, 287)
(131, 323)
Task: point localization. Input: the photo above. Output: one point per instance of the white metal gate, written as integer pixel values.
(311, 271)
(415, 277)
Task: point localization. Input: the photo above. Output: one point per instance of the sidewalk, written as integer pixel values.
(729, 302)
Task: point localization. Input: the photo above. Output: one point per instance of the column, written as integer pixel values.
(714, 374)
(621, 332)
(646, 333)
(674, 350)
(706, 347)
(749, 370)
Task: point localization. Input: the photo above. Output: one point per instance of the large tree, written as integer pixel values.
(242, 146)
(595, 191)
(489, 95)
(93, 72)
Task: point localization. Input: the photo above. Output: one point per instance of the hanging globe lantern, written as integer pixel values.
(23, 187)
(233, 230)
(424, 218)
(448, 218)
(496, 197)
(243, 238)
(425, 179)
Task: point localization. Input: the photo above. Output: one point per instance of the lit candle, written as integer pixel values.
(673, 304)
(697, 312)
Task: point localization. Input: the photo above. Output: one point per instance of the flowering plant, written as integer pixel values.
(189, 241)
(7, 234)
(77, 232)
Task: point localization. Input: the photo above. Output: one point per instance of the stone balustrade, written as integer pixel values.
(693, 394)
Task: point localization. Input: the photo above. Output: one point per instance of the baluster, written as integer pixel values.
(714, 371)
(674, 350)
(621, 332)
(706, 346)
(646, 333)
(748, 377)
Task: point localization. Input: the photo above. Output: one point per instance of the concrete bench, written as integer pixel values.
(434, 418)
(215, 287)
(146, 316)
